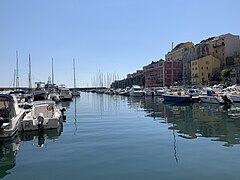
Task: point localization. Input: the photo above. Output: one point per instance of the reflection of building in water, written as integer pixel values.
(135, 102)
(8, 152)
(197, 120)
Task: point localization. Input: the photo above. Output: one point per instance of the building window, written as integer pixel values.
(201, 67)
(206, 67)
(195, 68)
(216, 50)
(202, 74)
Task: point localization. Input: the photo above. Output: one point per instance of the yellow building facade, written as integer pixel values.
(202, 68)
(177, 54)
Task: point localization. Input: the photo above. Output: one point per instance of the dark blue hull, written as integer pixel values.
(177, 99)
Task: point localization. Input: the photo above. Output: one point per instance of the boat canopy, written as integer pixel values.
(8, 107)
(210, 92)
(6, 96)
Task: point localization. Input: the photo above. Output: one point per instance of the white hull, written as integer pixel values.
(9, 132)
(75, 93)
(9, 125)
(43, 116)
(234, 98)
(136, 93)
(65, 94)
(211, 99)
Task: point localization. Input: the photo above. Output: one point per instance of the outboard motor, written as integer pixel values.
(40, 119)
(63, 109)
(226, 99)
(1, 121)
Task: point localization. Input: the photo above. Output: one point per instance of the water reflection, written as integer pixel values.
(193, 120)
(65, 104)
(75, 115)
(8, 152)
(10, 147)
(40, 138)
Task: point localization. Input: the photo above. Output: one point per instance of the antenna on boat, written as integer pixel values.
(30, 73)
(14, 78)
(74, 78)
(17, 77)
(52, 73)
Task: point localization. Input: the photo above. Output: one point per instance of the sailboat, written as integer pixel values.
(75, 92)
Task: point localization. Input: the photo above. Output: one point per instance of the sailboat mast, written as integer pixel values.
(172, 69)
(52, 73)
(14, 78)
(17, 77)
(30, 73)
(74, 79)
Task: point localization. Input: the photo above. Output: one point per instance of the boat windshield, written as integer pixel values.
(6, 109)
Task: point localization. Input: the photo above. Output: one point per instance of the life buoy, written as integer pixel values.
(50, 107)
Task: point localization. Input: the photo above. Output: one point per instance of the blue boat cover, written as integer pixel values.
(7, 96)
(210, 92)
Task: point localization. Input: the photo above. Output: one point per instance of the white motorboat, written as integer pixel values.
(212, 97)
(75, 92)
(124, 92)
(10, 115)
(65, 94)
(216, 99)
(43, 115)
(136, 91)
(159, 91)
(234, 97)
(54, 96)
(39, 93)
(149, 92)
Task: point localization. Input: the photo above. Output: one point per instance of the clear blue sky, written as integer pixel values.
(113, 36)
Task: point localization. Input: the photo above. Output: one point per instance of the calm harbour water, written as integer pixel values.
(114, 137)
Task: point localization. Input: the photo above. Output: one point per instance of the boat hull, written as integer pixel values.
(235, 98)
(136, 93)
(177, 99)
(211, 99)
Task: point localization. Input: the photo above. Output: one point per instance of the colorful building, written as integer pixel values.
(177, 54)
(202, 68)
(162, 73)
(224, 46)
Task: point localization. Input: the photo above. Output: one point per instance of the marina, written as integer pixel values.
(119, 90)
(122, 137)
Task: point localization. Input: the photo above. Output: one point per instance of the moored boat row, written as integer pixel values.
(16, 115)
(181, 94)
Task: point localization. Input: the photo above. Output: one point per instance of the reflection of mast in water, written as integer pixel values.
(75, 114)
(174, 146)
(174, 136)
